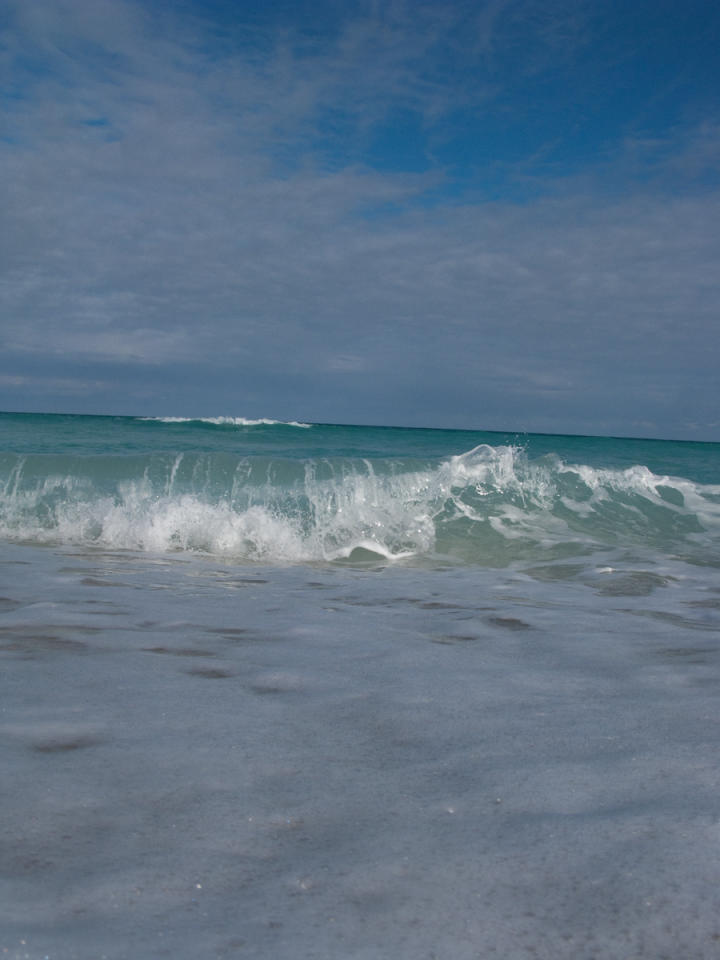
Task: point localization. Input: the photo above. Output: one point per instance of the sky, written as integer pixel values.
(499, 215)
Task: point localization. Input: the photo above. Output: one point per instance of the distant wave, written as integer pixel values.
(229, 421)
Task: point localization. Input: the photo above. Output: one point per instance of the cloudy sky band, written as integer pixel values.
(490, 215)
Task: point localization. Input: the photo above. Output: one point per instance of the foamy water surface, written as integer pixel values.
(356, 695)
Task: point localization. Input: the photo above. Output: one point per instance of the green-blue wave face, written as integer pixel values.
(285, 493)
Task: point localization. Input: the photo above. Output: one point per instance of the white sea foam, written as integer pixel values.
(229, 421)
(383, 765)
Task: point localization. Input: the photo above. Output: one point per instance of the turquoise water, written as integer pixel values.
(287, 493)
(57, 434)
(312, 691)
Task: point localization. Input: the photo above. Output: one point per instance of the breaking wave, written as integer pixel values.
(227, 421)
(491, 505)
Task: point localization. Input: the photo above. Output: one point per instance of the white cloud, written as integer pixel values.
(166, 204)
(66, 386)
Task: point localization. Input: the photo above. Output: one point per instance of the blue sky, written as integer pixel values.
(499, 215)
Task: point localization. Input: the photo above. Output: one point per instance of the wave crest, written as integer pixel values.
(228, 421)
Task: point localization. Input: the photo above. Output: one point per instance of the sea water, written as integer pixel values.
(289, 690)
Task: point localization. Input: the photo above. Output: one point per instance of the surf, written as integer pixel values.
(488, 505)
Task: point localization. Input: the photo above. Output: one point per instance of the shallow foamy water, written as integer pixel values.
(205, 759)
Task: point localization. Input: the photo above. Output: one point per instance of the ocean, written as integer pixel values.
(291, 690)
